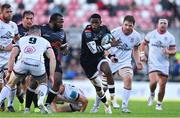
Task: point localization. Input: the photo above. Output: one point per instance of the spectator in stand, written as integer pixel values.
(176, 69)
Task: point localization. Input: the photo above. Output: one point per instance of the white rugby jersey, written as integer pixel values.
(124, 51)
(7, 32)
(71, 94)
(32, 47)
(157, 42)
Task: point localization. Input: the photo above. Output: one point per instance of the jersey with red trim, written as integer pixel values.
(88, 36)
(157, 42)
(32, 47)
(7, 33)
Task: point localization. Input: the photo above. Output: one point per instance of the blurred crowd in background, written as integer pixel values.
(76, 15)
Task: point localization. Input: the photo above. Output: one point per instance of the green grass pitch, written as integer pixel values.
(139, 109)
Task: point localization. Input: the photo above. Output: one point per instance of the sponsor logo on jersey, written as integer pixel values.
(131, 40)
(8, 35)
(158, 44)
(123, 46)
(29, 49)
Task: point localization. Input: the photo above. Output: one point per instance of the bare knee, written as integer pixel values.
(127, 82)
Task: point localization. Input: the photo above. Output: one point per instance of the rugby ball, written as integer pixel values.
(107, 38)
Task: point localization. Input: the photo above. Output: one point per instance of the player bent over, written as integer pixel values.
(73, 96)
(30, 61)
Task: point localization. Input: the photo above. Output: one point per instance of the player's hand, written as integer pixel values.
(6, 79)
(143, 57)
(51, 78)
(165, 51)
(139, 65)
(115, 43)
(114, 59)
(64, 49)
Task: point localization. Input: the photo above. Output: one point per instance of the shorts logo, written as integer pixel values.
(40, 93)
(29, 50)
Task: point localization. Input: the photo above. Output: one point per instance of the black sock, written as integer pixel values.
(111, 90)
(29, 98)
(50, 98)
(103, 99)
(21, 98)
(35, 100)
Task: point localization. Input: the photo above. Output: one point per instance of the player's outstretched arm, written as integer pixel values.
(52, 64)
(14, 53)
(170, 51)
(142, 50)
(137, 58)
(84, 102)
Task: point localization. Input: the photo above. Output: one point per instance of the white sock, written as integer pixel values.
(111, 90)
(152, 94)
(5, 92)
(11, 97)
(158, 102)
(125, 97)
(97, 101)
(42, 93)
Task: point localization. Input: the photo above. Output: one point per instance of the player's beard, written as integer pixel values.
(7, 19)
(127, 31)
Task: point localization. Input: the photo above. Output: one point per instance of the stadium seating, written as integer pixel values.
(81, 10)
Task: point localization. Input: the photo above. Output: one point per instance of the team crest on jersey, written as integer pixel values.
(12, 26)
(131, 40)
(88, 34)
(165, 38)
(29, 50)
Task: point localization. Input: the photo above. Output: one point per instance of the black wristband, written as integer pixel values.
(111, 55)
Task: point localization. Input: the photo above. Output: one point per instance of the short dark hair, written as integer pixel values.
(35, 28)
(5, 6)
(95, 16)
(129, 18)
(28, 12)
(55, 16)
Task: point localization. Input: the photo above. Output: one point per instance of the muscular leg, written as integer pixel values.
(100, 92)
(53, 91)
(153, 78)
(42, 91)
(161, 93)
(2, 75)
(10, 86)
(104, 67)
(126, 90)
(19, 93)
(30, 94)
(162, 86)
